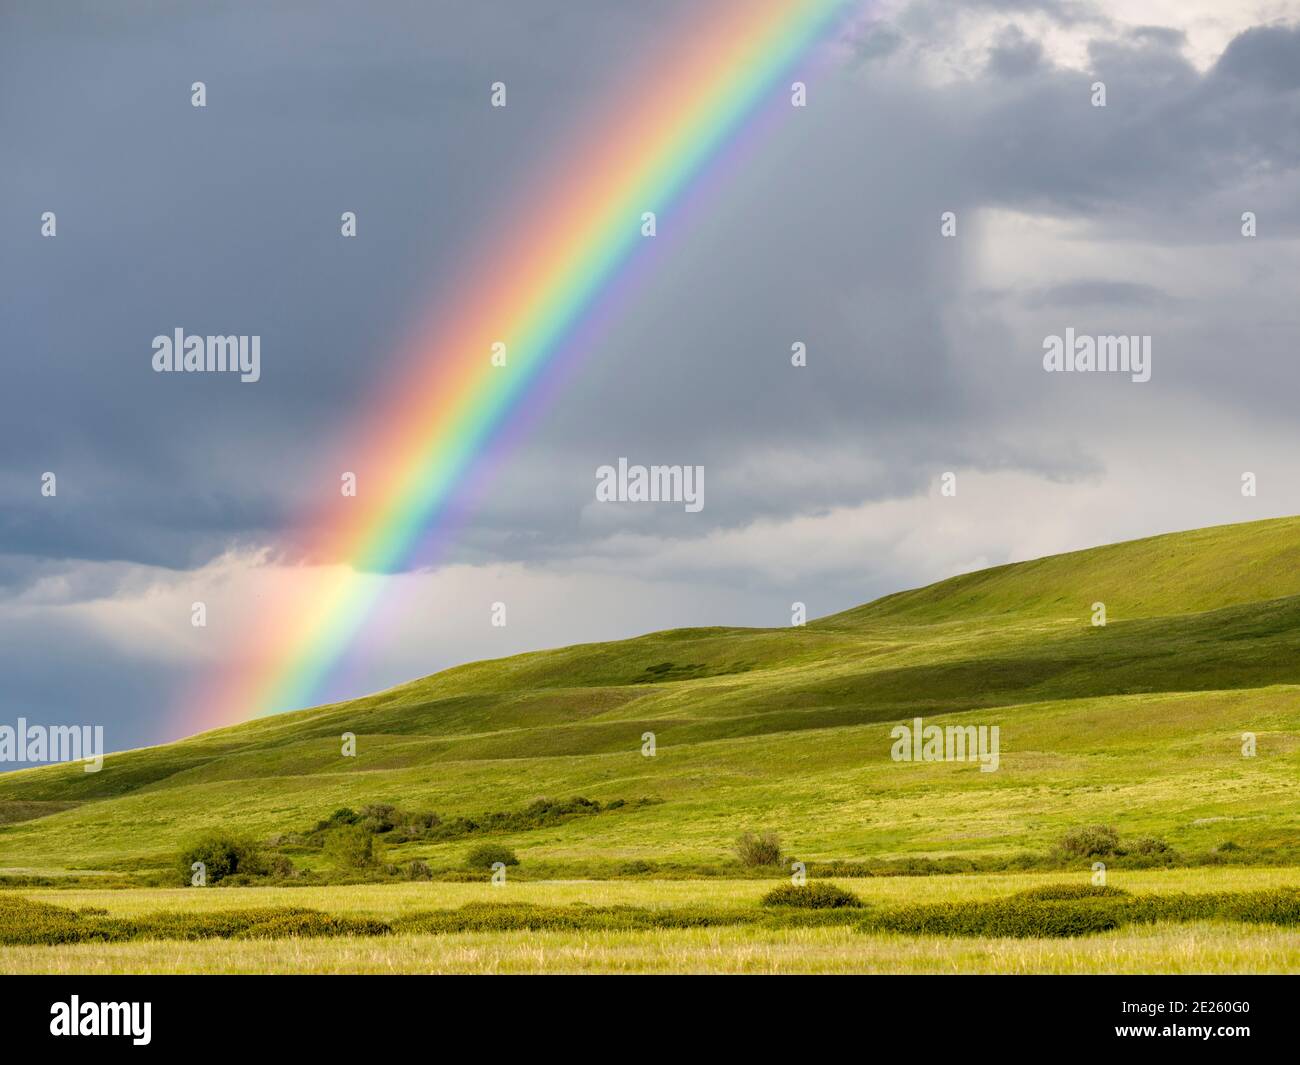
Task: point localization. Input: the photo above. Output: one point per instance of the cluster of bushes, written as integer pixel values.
(92, 880)
(356, 842)
(23, 921)
(1102, 841)
(525, 917)
(1280, 906)
(27, 922)
(521, 917)
(1051, 911)
(1084, 844)
(1014, 917)
(903, 867)
(1058, 892)
(403, 826)
(812, 897)
(232, 859)
(486, 855)
(1073, 910)
(352, 846)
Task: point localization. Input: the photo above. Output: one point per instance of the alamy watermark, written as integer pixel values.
(53, 743)
(77, 1018)
(208, 354)
(920, 742)
(651, 484)
(1098, 354)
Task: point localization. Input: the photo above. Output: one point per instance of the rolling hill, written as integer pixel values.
(1137, 724)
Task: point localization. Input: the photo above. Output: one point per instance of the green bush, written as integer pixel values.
(521, 916)
(1017, 918)
(23, 921)
(403, 826)
(1093, 841)
(758, 850)
(307, 923)
(486, 855)
(1280, 906)
(811, 897)
(280, 867)
(1056, 892)
(417, 871)
(1022, 916)
(223, 855)
(344, 815)
(351, 846)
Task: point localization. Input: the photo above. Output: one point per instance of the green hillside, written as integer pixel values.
(1137, 724)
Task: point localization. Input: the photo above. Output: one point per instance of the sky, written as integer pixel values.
(824, 482)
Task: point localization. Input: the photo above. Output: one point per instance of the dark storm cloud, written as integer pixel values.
(1268, 56)
(849, 262)
(822, 226)
(225, 220)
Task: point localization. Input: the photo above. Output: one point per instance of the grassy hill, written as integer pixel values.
(1138, 724)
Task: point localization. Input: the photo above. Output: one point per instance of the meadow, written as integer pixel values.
(1176, 726)
(1193, 946)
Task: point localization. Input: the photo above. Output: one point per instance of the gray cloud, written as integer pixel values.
(1101, 291)
(1267, 56)
(1015, 55)
(825, 229)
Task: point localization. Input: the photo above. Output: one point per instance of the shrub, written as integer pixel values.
(811, 897)
(1279, 906)
(1017, 918)
(1056, 892)
(306, 923)
(342, 815)
(1093, 841)
(25, 922)
(522, 916)
(281, 867)
(1020, 916)
(417, 871)
(763, 849)
(379, 817)
(1149, 845)
(351, 846)
(405, 825)
(486, 855)
(223, 855)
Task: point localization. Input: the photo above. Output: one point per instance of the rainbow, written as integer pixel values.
(530, 285)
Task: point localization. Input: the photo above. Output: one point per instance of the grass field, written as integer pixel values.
(1199, 948)
(1196, 947)
(1139, 724)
